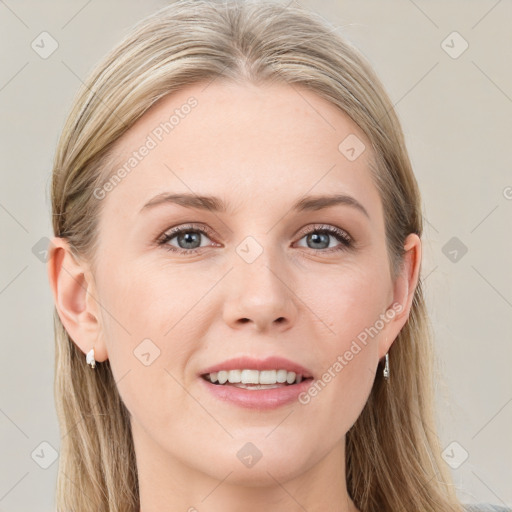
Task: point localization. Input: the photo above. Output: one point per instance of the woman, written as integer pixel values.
(237, 255)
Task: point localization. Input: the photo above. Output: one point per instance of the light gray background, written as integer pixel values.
(456, 114)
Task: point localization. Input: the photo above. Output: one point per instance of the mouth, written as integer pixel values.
(257, 389)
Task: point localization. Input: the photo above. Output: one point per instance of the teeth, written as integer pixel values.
(250, 377)
(223, 377)
(264, 377)
(281, 376)
(235, 376)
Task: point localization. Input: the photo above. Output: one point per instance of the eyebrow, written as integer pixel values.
(216, 204)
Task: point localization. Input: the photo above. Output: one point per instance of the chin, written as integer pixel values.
(262, 474)
(259, 463)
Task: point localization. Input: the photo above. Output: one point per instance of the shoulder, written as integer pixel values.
(485, 507)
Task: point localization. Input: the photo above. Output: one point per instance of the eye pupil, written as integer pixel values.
(189, 237)
(319, 238)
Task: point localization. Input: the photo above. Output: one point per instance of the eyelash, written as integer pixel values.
(343, 237)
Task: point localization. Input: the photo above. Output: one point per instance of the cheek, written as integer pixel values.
(148, 336)
(350, 304)
(346, 300)
(153, 299)
(147, 324)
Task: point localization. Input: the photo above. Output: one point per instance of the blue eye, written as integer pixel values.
(320, 234)
(188, 238)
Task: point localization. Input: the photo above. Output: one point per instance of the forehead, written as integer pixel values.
(240, 141)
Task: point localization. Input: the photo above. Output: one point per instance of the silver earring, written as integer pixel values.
(90, 358)
(386, 368)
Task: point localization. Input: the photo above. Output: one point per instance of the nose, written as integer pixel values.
(260, 294)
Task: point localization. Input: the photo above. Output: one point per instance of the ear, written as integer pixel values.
(73, 293)
(403, 293)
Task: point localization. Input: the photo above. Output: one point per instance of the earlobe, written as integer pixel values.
(71, 293)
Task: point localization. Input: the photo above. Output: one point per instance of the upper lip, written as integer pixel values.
(249, 363)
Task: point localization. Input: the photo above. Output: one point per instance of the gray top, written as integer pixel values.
(485, 507)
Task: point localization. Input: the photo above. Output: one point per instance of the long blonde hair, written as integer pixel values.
(393, 456)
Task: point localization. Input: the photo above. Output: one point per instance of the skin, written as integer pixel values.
(260, 149)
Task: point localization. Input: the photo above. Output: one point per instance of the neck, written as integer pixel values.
(168, 483)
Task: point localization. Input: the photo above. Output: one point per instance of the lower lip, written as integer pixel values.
(258, 398)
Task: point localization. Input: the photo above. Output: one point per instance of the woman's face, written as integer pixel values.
(263, 281)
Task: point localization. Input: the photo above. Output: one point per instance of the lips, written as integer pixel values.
(250, 363)
(256, 399)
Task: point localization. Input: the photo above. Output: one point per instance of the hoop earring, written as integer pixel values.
(386, 368)
(90, 358)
